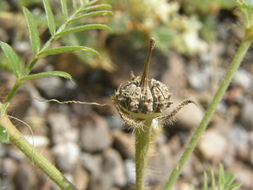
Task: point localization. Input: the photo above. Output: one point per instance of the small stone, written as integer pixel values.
(213, 145)
(113, 165)
(91, 163)
(199, 80)
(15, 154)
(240, 139)
(22, 46)
(114, 122)
(107, 170)
(81, 177)
(242, 79)
(159, 163)
(185, 186)
(6, 185)
(190, 116)
(67, 154)
(95, 136)
(130, 171)
(246, 114)
(8, 168)
(24, 177)
(38, 102)
(243, 173)
(3, 150)
(62, 130)
(124, 143)
(51, 86)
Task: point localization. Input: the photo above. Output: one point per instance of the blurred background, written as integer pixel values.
(195, 42)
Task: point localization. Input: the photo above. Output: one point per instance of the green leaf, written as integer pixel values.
(234, 186)
(82, 28)
(63, 49)
(64, 8)
(33, 30)
(74, 4)
(13, 59)
(229, 179)
(96, 8)
(221, 177)
(94, 13)
(46, 74)
(205, 184)
(91, 3)
(213, 182)
(4, 135)
(50, 17)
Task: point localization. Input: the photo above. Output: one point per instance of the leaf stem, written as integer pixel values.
(49, 169)
(12, 92)
(242, 50)
(142, 145)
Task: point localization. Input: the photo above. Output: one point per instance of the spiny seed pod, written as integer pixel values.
(142, 98)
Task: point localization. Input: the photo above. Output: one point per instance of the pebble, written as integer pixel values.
(62, 130)
(81, 177)
(130, 171)
(113, 165)
(199, 80)
(91, 162)
(244, 174)
(107, 170)
(38, 102)
(124, 143)
(24, 177)
(22, 46)
(8, 168)
(15, 153)
(6, 185)
(159, 164)
(67, 154)
(240, 139)
(114, 122)
(213, 145)
(189, 116)
(3, 150)
(95, 135)
(246, 114)
(51, 87)
(243, 79)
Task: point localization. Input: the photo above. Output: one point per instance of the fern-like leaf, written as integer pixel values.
(46, 74)
(82, 28)
(13, 59)
(63, 49)
(64, 8)
(33, 30)
(50, 17)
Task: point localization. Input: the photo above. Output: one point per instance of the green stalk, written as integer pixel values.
(242, 50)
(142, 145)
(40, 161)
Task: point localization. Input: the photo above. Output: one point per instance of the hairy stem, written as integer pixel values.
(12, 92)
(49, 169)
(243, 48)
(142, 145)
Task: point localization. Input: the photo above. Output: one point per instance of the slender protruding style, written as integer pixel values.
(145, 73)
